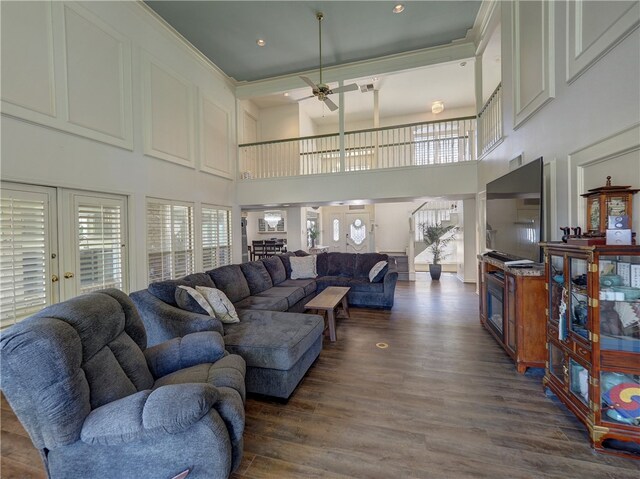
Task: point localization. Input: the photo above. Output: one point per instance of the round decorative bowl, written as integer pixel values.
(630, 294)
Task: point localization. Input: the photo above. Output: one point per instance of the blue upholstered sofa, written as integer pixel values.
(98, 403)
(277, 341)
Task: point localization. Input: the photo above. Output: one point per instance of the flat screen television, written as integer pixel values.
(514, 212)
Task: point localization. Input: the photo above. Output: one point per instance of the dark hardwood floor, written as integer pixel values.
(442, 401)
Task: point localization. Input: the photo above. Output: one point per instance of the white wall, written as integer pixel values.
(392, 226)
(602, 101)
(278, 123)
(98, 84)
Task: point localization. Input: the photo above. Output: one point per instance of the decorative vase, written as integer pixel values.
(435, 270)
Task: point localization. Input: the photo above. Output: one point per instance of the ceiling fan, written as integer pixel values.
(322, 90)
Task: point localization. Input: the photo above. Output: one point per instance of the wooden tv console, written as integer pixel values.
(512, 309)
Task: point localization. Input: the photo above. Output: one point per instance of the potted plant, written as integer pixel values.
(433, 237)
(313, 235)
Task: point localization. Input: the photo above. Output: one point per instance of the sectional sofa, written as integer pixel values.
(277, 341)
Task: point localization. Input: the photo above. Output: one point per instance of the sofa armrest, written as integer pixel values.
(167, 410)
(179, 353)
(389, 281)
(163, 321)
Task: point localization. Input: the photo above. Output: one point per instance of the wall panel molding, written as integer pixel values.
(168, 113)
(215, 134)
(533, 57)
(594, 28)
(97, 83)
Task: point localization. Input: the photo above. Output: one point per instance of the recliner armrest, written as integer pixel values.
(179, 353)
(167, 410)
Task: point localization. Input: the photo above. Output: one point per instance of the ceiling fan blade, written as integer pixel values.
(332, 106)
(306, 98)
(351, 87)
(308, 82)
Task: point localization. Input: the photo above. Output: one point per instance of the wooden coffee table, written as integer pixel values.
(329, 300)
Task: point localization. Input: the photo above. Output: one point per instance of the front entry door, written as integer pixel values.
(357, 232)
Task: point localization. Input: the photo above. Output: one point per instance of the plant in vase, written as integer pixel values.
(313, 234)
(434, 237)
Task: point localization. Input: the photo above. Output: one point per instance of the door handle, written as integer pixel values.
(68, 275)
(54, 278)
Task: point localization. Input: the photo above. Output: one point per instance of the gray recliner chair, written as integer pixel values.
(97, 403)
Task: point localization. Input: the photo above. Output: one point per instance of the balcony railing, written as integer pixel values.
(416, 144)
(490, 122)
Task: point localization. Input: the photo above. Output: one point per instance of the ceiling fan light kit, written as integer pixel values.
(321, 90)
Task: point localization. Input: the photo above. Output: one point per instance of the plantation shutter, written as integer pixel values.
(216, 237)
(170, 240)
(24, 254)
(100, 229)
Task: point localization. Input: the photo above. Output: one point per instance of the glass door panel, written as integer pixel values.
(619, 303)
(579, 381)
(556, 290)
(556, 362)
(620, 397)
(578, 297)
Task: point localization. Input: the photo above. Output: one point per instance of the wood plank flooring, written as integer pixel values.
(442, 401)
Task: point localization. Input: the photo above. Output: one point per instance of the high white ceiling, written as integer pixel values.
(404, 93)
(226, 31)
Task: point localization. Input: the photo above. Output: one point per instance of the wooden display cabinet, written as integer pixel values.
(512, 310)
(593, 340)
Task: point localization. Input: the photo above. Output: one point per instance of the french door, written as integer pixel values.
(57, 243)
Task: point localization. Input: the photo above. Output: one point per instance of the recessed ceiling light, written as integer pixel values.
(261, 42)
(399, 8)
(437, 107)
(374, 79)
(286, 93)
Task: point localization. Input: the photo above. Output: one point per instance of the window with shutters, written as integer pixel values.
(170, 239)
(24, 254)
(216, 237)
(100, 230)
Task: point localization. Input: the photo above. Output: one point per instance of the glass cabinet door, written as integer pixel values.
(556, 362)
(557, 291)
(620, 397)
(577, 308)
(619, 303)
(579, 381)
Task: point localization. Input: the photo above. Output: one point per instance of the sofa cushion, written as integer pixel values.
(269, 303)
(272, 340)
(341, 264)
(303, 267)
(257, 276)
(286, 262)
(376, 275)
(326, 281)
(231, 281)
(191, 300)
(366, 261)
(275, 268)
(166, 290)
(220, 304)
(291, 293)
(322, 264)
(363, 285)
(309, 285)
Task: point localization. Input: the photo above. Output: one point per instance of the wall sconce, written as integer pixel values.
(437, 107)
(272, 218)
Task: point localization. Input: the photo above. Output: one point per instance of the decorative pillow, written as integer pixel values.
(222, 307)
(303, 267)
(378, 271)
(189, 299)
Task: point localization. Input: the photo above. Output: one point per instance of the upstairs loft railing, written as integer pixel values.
(416, 144)
(490, 122)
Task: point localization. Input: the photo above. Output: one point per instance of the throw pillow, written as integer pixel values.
(378, 271)
(222, 307)
(303, 267)
(191, 300)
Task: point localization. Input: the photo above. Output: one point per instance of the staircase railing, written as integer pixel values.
(490, 122)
